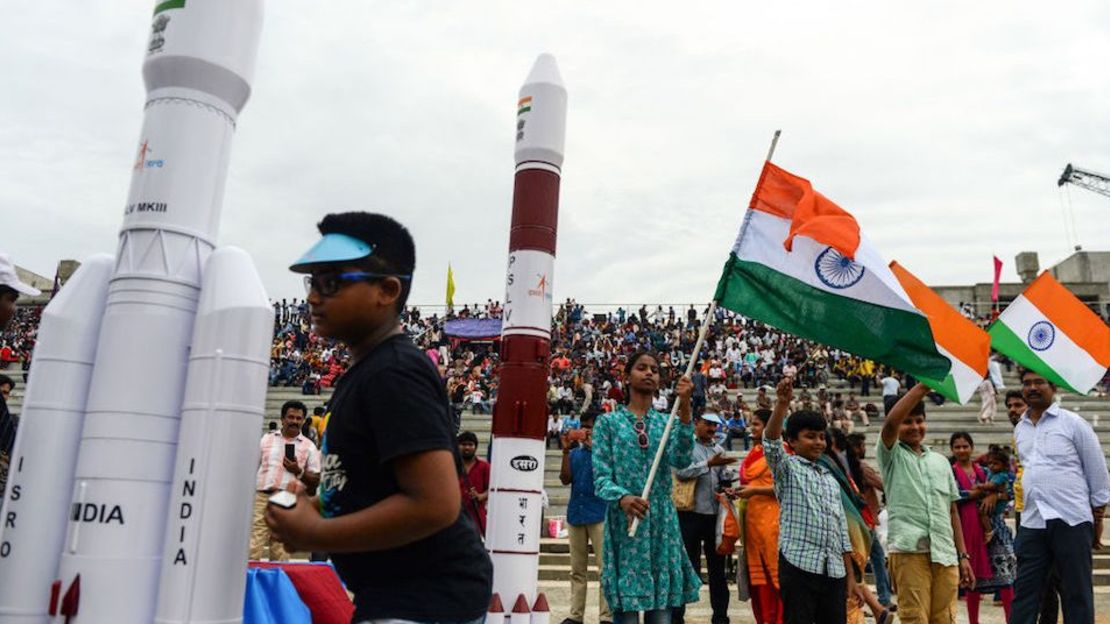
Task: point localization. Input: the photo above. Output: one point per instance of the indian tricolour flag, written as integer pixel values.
(965, 345)
(1048, 330)
(801, 264)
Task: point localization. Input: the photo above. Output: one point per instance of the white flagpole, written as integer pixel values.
(689, 370)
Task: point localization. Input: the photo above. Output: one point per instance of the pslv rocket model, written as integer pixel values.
(137, 397)
(520, 416)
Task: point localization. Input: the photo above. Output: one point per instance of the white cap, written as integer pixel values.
(9, 278)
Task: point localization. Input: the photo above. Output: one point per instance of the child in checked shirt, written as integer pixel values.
(814, 549)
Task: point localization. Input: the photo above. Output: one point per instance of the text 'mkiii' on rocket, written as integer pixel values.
(40, 476)
(520, 416)
(199, 64)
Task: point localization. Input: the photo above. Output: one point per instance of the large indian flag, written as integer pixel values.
(1048, 330)
(801, 264)
(965, 345)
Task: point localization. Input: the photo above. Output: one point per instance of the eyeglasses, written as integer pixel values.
(641, 433)
(328, 284)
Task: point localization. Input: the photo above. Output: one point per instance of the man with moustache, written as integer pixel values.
(1064, 489)
(699, 525)
(1050, 604)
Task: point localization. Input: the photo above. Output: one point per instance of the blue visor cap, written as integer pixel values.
(711, 417)
(330, 249)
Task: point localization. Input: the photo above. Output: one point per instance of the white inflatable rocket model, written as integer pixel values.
(520, 415)
(117, 526)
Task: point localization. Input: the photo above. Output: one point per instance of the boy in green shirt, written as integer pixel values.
(928, 560)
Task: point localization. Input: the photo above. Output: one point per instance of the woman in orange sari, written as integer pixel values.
(761, 527)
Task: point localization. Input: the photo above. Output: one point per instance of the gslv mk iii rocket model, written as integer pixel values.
(136, 395)
(520, 416)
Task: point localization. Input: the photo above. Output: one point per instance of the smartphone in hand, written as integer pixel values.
(291, 452)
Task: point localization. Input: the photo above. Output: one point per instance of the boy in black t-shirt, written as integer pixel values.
(389, 511)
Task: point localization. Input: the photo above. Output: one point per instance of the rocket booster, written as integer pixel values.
(45, 453)
(204, 566)
(200, 61)
(520, 415)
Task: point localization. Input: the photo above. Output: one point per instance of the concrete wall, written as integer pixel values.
(1084, 266)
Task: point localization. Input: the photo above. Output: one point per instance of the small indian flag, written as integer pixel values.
(957, 338)
(801, 264)
(524, 105)
(1048, 330)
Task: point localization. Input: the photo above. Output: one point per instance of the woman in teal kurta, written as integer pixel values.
(650, 572)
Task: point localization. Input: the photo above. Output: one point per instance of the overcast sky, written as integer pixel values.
(942, 126)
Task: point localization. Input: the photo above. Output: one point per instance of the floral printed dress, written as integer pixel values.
(652, 570)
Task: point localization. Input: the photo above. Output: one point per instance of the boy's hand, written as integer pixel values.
(785, 389)
(856, 592)
(297, 528)
(967, 576)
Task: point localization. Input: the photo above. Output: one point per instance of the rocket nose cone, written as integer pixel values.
(231, 281)
(545, 71)
(87, 287)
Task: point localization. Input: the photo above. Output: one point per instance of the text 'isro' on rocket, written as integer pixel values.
(41, 471)
(520, 415)
(199, 65)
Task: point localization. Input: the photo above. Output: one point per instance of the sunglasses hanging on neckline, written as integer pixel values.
(641, 433)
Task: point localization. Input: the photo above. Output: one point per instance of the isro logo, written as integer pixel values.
(142, 162)
(524, 463)
(541, 288)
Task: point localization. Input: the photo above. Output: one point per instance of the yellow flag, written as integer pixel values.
(450, 285)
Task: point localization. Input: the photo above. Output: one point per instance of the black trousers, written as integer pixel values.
(699, 533)
(1062, 547)
(888, 402)
(809, 598)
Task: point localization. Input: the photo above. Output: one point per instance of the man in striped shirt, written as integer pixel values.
(276, 471)
(814, 549)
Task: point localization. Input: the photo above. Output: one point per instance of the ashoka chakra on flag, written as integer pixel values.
(1041, 336)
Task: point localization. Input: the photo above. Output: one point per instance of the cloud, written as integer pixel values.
(941, 126)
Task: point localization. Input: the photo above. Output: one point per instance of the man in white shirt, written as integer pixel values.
(276, 472)
(890, 386)
(994, 373)
(1065, 487)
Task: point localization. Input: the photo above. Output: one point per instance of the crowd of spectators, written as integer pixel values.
(587, 351)
(740, 360)
(17, 341)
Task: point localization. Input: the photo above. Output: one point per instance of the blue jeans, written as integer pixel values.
(657, 616)
(878, 568)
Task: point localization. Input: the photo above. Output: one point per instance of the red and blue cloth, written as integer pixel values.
(295, 593)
